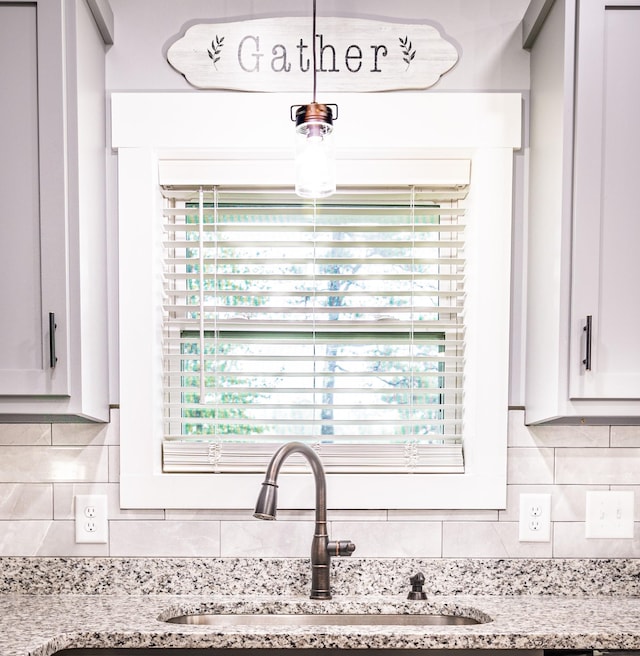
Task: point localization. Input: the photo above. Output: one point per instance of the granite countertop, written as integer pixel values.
(41, 625)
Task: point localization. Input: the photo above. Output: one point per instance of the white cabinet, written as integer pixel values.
(53, 332)
(584, 229)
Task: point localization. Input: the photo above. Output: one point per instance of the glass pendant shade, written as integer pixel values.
(315, 159)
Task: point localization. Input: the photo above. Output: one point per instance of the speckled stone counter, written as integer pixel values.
(42, 625)
(52, 604)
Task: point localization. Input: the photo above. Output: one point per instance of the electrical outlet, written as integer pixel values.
(91, 518)
(535, 518)
(609, 515)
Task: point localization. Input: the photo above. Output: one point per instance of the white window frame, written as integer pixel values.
(218, 133)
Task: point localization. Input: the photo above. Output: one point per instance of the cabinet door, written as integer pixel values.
(33, 263)
(606, 237)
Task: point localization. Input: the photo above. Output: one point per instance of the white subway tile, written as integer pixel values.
(256, 538)
(529, 466)
(164, 538)
(44, 538)
(81, 434)
(22, 538)
(38, 464)
(489, 540)
(625, 436)
(569, 542)
(357, 515)
(26, 501)
(201, 514)
(410, 515)
(598, 466)
(114, 464)
(25, 434)
(241, 514)
(391, 540)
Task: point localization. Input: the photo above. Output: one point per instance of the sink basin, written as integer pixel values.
(323, 619)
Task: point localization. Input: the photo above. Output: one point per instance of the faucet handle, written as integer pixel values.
(417, 581)
(341, 548)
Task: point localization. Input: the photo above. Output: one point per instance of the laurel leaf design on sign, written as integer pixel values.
(407, 50)
(216, 48)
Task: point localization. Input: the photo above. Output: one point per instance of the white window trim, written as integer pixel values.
(148, 128)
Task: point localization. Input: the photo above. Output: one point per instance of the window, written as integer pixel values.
(446, 141)
(337, 323)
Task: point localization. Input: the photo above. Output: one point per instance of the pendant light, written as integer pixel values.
(315, 159)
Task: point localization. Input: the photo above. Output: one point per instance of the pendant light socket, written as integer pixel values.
(314, 113)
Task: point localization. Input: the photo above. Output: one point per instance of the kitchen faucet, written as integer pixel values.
(321, 547)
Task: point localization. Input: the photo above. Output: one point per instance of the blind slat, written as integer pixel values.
(293, 390)
(322, 211)
(325, 261)
(317, 244)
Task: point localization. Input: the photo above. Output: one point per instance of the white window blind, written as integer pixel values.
(339, 323)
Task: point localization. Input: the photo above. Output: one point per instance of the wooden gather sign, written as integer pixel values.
(276, 54)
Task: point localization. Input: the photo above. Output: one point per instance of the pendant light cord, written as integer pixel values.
(313, 41)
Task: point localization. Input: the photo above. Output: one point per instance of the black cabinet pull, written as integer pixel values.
(52, 340)
(588, 332)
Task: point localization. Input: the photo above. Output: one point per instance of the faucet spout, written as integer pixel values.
(321, 548)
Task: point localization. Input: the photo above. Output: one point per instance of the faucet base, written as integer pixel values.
(323, 596)
(320, 585)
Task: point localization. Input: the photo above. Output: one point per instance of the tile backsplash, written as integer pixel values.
(43, 466)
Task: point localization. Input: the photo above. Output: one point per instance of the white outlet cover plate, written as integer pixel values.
(98, 516)
(609, 514)
(535, 508)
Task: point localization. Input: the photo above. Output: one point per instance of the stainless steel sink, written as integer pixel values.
(326, 619)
